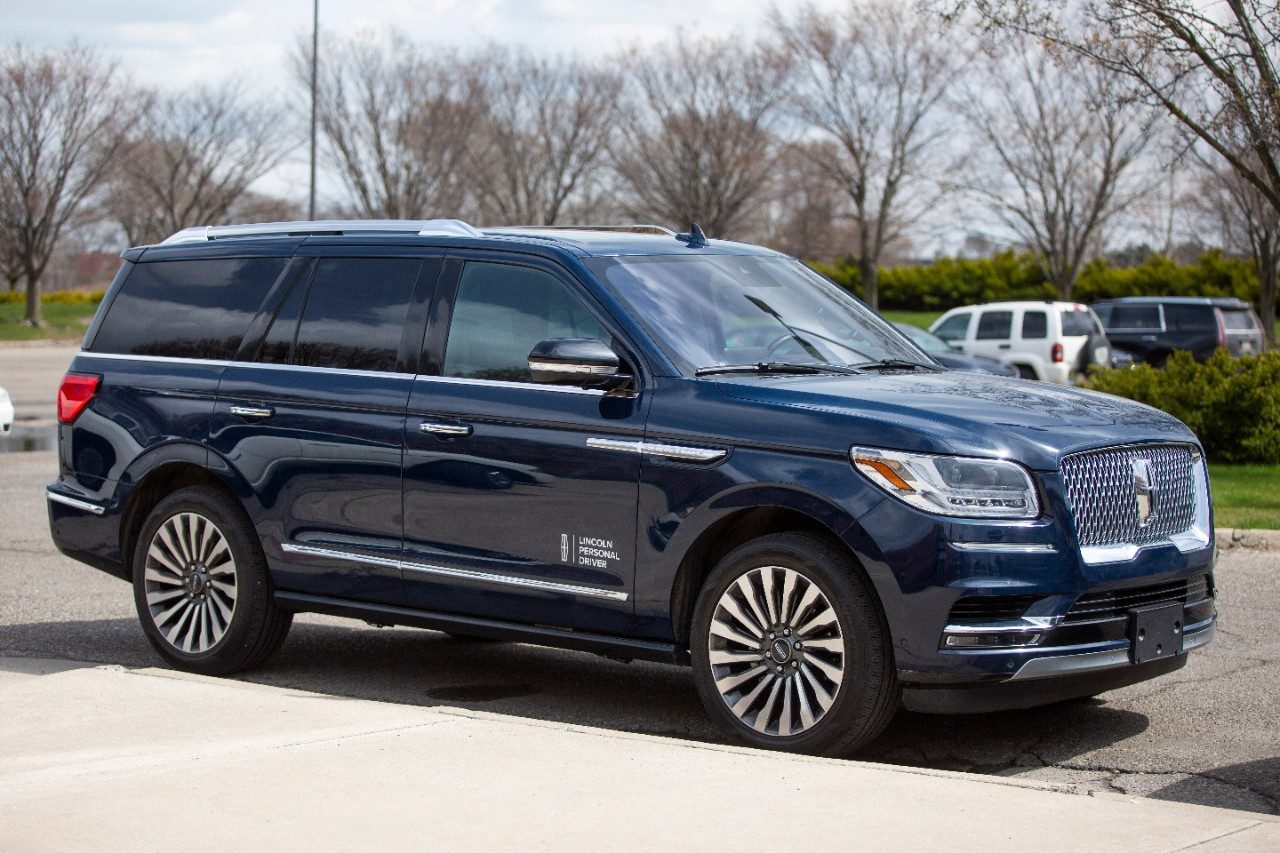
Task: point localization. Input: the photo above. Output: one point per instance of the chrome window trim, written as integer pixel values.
(170, 359)
(57, 497)
(1007, 547)
(461, 574)
(504, 383)
(678, 452)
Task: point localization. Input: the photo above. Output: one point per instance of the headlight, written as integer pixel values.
(951, 485)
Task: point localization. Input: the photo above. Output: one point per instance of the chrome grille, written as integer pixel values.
(1104, 498)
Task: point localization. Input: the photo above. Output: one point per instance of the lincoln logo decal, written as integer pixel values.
(1146, 490)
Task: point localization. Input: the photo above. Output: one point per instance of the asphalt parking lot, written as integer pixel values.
(1208, 734)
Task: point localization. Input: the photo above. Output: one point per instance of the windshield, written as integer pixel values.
(717, 310)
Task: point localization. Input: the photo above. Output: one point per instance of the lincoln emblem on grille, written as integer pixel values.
(1146, 491)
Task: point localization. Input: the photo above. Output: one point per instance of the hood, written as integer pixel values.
(967, 414)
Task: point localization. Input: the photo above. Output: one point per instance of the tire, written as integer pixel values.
(855, 645)
(205, 607)
(1025, 372)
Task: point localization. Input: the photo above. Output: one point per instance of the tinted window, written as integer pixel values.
(277, 346)
(1190, 318)
(995, 325)
(1140, 317)
(187, 309)
(354, 313)
(1035, 324)
(1238, 319)
(954, 328)
(502, 312)
(1076, 324)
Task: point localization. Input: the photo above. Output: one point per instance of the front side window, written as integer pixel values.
(954, 328)
(354, 314)
(187, 309)
(995, 326)
(710, 311)
(503, 311)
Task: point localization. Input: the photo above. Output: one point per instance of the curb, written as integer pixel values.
(1229, 539)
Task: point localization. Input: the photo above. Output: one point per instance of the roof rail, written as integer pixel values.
(627, 229)
(422, 227)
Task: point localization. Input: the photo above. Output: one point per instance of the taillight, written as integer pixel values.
(1222, 329)
(1058, 354)
(76, 392)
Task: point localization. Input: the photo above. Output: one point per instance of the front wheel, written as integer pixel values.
(201, 585)
(790, 650)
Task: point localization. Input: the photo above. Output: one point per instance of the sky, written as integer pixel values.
(172, 44)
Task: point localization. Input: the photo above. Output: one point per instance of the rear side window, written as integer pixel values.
(1077, 324)
(995, 325)
(954, 328)
(1191, 318)
(501, 312)
(1035, 325)
(187, 309)
(1144, 318)
(354, 313)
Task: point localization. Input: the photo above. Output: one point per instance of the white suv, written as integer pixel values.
(1053, 341)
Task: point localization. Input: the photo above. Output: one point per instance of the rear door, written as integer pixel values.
(993, 333)
(520, 498)
(314, 420)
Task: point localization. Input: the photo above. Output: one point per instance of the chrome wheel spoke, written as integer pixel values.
(776, 651)
(190, 582)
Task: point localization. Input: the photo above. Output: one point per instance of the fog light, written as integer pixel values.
(993, 640)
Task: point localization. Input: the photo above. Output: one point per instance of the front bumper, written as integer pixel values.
(1072, 672)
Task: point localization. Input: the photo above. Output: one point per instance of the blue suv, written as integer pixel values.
(625, 441)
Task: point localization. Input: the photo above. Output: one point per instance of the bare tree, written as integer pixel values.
(62, 119)
(810, 219)
(1058, 152)
(872, 79)
(544, 133)
(1213, 65)
(1246, 223)
(700, 143)
(397, 125)
(190, 159)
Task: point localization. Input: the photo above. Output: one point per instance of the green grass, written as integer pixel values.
(1246, 495)
(914, 318)
(63, 320)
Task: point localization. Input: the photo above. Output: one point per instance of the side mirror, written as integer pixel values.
(585, 362)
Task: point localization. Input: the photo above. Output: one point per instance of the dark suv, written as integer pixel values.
(1152, 327)
(629, 442)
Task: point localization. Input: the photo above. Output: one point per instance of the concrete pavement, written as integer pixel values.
(112, 759)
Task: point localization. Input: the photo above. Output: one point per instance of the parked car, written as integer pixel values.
(1052, 341)
(645, 445)
(950, 357)
(1152, 327)
(6, 413)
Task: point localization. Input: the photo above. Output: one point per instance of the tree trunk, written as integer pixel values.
(34, 316)
(870, 282)
(1267, 274)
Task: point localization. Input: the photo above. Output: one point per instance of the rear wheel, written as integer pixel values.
(790, 650)
(201, 585)
(1025, 372)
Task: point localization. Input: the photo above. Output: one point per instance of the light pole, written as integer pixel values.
(315, 50)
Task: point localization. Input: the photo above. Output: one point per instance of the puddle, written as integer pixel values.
(26, 439)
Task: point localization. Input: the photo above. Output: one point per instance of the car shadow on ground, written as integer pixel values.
(427, 668)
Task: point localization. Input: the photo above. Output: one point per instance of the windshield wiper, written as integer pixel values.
(776, 367)
(893, 364)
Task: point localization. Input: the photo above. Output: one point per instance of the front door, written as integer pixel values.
(520, 498)
(315, 423)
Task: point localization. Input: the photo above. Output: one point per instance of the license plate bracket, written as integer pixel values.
(1155, 632)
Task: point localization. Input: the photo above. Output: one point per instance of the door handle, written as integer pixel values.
(444, 429)
(252, 411)
(1006, 346)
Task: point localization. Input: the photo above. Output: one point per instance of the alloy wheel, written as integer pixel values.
(190, 582)
(776, 651)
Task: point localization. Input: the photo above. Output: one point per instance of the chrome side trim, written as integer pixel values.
(1023, 625)
(1007, 547)
(1047, 667)
(463, 574)
(679, 452)
(74, 502)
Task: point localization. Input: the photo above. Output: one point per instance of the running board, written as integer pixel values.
(382, 614)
